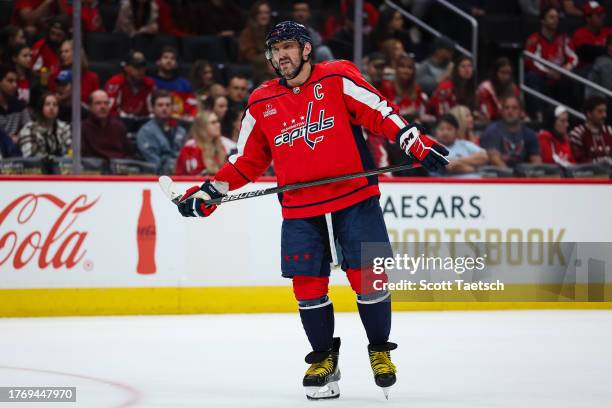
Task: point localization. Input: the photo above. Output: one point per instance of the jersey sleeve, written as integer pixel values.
(252, 158)
(367, 106)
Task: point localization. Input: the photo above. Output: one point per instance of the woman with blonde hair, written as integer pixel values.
(204, 153)
(466, 123)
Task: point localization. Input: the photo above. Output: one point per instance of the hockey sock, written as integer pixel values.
(318, 320)
(376, 316)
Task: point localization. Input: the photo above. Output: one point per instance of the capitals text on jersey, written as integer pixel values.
(305, 129)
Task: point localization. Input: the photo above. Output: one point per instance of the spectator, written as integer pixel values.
(184, 105)
(592, 141)
(31, 14)
(393, 50)
(204, 152)
(554, 47)
(465, 119)
(335, 23)
(91, 21)
(601, 73)
(438, 67)
(492, 91)
(419, 9)
(534, 7)
(167, 20)
(46, 135)
(375, 68)
(63, 89)
(406, 93)
(103, 135)
(130, 90)
(237, 92)
(160, 139)
(590, 41)
(21, 56)
(554, 140)
(13, 112)
(202, 79)
(10, 38)
(137, 17)
(45, 52)
(390, 25)
(341, 43)
(215, 17)
(218, 105)
(7, 147)
(460, 89)
(253, 38)
(89, 79)
(508, 142)
(301, 14)
(464, 156)
(234, 123)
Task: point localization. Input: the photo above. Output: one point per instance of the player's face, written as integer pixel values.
(599, 115)
(287, 57)
(446, 133)
(50, 108)
(562, 123)
(162, 108)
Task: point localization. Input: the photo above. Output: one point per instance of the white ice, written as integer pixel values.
(537, 359)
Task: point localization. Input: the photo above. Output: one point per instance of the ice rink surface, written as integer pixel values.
(522, 359)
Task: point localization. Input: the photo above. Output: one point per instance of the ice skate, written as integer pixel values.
(321, 378)
(384, 370)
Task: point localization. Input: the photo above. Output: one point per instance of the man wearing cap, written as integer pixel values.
(437, 67)
(130, 90)
(63, 87)
(589, 41)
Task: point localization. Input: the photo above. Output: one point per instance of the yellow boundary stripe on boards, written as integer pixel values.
(252, 299)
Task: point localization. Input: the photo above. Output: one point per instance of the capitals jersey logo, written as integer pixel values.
(306, 130)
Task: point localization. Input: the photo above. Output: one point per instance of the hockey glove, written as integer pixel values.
(418, 146)
(192, 204)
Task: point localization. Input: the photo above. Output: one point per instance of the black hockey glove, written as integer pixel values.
(417, 145)
(192, 204)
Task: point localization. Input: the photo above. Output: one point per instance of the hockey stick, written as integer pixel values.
(167, 185)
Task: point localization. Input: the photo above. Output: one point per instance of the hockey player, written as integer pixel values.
(308, 123)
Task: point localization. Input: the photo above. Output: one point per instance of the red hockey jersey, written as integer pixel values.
(558, 51)
(313, 132)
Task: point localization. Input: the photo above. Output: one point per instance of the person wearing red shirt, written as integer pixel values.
(45, 52)
(404, 91)
(590, 41)
(554, 139)
(308, 123)
(459, 90)
(21, 56)
(130, 90)
(89, 79)
(90, 15)
(30, 14)
(204, 153)
(592, 141)
(491, 92)
(555, 47)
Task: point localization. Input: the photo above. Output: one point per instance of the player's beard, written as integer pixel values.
(290, 71)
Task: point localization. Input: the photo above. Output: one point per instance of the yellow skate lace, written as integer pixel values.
(381, 362)
(322, 368)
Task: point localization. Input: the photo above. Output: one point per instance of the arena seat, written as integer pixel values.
(128, 167)
(587, 171)
(89, 165)
(206, 47)
(21, 165)
(105, 70)
(495, 172)
(151, 45)
(6, 11)
(107, 47)
(538, 170)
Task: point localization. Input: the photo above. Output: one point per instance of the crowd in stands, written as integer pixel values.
(176, 97)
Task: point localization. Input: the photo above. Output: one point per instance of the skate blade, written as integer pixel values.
(385, 391)
(328, 391)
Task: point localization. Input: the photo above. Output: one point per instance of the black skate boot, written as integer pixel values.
(321, 378)
(384, 370)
